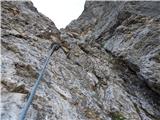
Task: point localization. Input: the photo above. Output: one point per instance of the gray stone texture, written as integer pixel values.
(109, 68)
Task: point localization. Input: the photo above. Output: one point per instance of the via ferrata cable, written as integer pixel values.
(53, 47)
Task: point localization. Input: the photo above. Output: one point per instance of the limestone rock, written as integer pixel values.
(111, 51)
(129, 30)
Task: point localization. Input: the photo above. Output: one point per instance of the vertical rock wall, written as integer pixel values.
(100, 75)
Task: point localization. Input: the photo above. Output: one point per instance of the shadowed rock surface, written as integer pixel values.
(109, 69)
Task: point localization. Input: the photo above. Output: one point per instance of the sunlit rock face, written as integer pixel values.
(108, 69)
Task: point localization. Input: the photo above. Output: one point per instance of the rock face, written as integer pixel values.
(129, 30)
(109, 68)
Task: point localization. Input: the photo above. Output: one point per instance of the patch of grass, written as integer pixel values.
(117, 116)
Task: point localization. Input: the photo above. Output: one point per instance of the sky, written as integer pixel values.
(61, 12)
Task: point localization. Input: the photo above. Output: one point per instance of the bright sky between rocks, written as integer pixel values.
(61, 12)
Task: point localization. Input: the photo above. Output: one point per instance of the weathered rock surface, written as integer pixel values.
(111, 52)
(129, 30)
